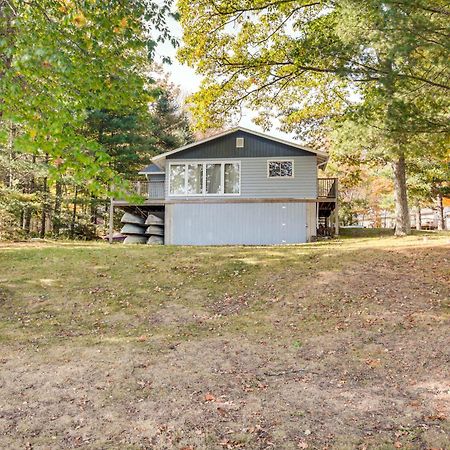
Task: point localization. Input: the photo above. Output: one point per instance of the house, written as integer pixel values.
(238, 187)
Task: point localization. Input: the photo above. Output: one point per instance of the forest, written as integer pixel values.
(85, 101)
(84, 106)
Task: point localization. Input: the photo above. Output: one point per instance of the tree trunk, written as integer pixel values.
(11, 155)
(44, 210)
(93, 210)
(44, 204)
(31, 189)
(402, 219)
(440, 211)
(74, 214)
(57, 208)
(418, 218)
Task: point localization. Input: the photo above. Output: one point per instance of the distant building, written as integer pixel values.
(429, 219)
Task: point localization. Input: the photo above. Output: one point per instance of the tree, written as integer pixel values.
(75, 92)
(131, 138)
(382, 63)
(59, 60)
(38, 205)
(429, 183)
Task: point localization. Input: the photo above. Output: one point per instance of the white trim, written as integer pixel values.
(162, 156)
(204, 163)
(280, 161)
(143, 172)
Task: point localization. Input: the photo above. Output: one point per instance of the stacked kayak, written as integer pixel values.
(155, 229)
(134, 229)
(142, 230)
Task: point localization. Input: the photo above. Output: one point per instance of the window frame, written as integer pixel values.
(204, 164)
(186, 180)
(169, 184)
(281, 161)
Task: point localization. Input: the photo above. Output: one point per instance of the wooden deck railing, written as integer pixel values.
(140, 188)
(149, 190)
(327, 187)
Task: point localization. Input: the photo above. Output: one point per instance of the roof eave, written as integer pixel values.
(159, 159)
(143, 172)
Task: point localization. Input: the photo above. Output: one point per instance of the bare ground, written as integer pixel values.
(342, 345)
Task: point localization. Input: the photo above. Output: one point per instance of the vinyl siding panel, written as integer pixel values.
(236, 223)
(225, 147)
(256, 184)
(311, 219)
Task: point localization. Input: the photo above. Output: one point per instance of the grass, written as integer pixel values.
(337, 344)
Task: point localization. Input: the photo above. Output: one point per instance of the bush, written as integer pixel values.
(9, 229)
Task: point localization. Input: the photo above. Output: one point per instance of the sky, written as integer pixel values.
(189, 82)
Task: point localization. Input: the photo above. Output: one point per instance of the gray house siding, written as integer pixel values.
(156, 186)
(256, 184)
(157, 177)
(225, 147)
(236, 223)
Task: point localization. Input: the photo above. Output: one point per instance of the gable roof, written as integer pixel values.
(151, 169)
(322, 157)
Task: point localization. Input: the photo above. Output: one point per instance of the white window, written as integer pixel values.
(232, 178)
(194, 179)
(213, 178)
(280, 169)
(205, 178)
(177, 179)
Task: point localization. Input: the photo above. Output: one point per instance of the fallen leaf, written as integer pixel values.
(302, 444)
(142, 338)
(398, 444)
(438, 416)
(209, 398)
(373, 362)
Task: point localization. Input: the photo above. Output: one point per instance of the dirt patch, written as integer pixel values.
(178, 314)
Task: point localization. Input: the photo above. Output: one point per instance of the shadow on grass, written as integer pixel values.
(346, 233)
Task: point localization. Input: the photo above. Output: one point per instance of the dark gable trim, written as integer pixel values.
(225, 147)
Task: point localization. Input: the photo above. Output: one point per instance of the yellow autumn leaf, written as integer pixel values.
(65, 6)
(79, 20)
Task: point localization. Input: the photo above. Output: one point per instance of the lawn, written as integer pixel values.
(341, 344)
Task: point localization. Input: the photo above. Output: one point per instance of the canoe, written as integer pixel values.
(133, 239)
(154, 220)
(132, 218)
(155, 240)
(116, 237)
(130, 228)
(155, 230)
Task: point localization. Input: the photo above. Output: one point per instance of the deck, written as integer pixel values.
(153, 193)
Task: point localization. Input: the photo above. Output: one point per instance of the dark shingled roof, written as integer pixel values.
(151, 168)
